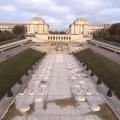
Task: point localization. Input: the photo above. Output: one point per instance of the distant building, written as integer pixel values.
(36, 26)
(83, 27)
(78, 29)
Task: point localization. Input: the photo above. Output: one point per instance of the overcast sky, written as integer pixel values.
(60, 13)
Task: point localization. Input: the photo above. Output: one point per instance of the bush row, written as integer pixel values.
(106, 70)
(14, 68)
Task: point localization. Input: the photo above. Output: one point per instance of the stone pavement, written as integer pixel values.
(60, 90)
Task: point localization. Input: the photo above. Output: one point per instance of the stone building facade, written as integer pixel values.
(80, 28)
(83, 27)
(36, 26)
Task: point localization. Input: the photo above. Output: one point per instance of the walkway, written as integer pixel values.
(60, 90)
(111, 55)
(12, 52)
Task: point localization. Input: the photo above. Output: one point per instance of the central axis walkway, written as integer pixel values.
(59, 97)
(60, 90)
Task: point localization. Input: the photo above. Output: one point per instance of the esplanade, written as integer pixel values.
(80, 28)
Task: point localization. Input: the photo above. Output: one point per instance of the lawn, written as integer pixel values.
(107, 70)
(12, 69)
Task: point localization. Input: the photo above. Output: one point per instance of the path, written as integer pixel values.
(12, 52)
(111, 55)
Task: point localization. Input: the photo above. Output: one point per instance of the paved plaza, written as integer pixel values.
(60, 90)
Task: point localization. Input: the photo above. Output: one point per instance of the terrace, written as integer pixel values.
(60, 90)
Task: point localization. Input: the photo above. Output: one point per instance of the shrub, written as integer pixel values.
(107, 70)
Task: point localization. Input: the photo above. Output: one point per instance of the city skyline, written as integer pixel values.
(58, 13)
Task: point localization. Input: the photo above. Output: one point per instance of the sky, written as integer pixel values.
(59, 14)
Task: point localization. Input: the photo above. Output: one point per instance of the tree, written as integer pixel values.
(92, 74)
(114, 32)
(9, 93)
(109, 93)
(87, 68)
(99, 81)
(114, 29)
(111, 30)
(117, 29)
(20, 82)
(6, 35)
(19, 30)
(57, 32)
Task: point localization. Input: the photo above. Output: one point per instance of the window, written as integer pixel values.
(81, 29)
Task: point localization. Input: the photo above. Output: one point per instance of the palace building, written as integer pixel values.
(80, 28)
(83, 27)
(36, 26)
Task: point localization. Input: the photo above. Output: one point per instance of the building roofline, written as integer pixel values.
(20, 24)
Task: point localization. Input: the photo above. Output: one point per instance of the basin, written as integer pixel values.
(95, 107)
(38, 99)
(80, 98)
(24, 108)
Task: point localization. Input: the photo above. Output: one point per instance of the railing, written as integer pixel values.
(12, 45)
(105, 45)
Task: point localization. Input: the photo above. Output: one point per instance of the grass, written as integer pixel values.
(12, 69)
(107, 70)
(105, 113)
